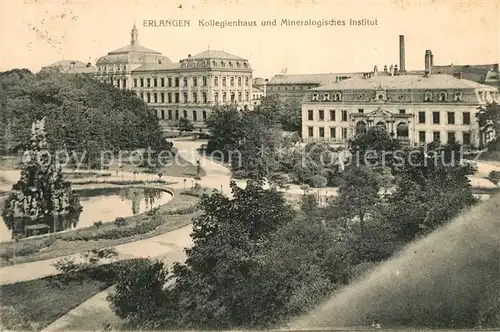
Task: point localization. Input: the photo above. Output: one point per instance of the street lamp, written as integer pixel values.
(184, 184)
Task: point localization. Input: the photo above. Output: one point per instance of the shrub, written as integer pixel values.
(98, 223)
(318, 181)
(120, 222)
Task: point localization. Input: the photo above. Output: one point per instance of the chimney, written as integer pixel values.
(385, 68)
(428, 64)
(402, 59)
(375, 70)
(396, 72)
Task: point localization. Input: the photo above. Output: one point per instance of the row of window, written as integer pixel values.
(169, 115)
(175, 81)
(422, 135)
(206, 63)
(170, 98)
(436, 116)
(429, 96)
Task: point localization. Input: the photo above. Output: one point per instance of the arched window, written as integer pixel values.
(360, 128)
(402, 130)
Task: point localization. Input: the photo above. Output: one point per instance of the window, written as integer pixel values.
(195, 97)
(148, 82)
(216, 97)
(435, 117)
(321, 115)
(436, 136)
(170, 114)
(332, 115)
(421, 117)
(177, 114)
(216, 81)
(344, 133)
(239, 96)
(162, 82)
(344, 116)
(361, 111)
(247, 96)
(169, 81)
(457, 96)
(148, 97)
(142, 96)
(310, 132)
(223, 81)
(117, 83)
(421, 137)
(451, 137)
(402, 111)
(162, 97)
(338, 96)
(163, 114)
(315, 97)
(428, 96)
(176, 82)
(155, 82)
(185, 81)
(177, 98)
(204, 97)
(442, 96)
(169, 96)
(233, 97)
(326, 97)
(466, 138)
(185, 95)
(333, 132)
(195, 81)
(135, 82)
(155, 97)
(224, 97)
(321, 132)
(451, 117)
(185, 113)
(195, 116)
(232, 81)
(239, 81)
(466, 118)
(310, 115)
(204, 81)
(142, 82)
(246, 80)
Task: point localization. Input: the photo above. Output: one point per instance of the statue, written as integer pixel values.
(41, 192)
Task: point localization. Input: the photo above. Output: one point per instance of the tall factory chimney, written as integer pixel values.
(428, 62)
(402, 67)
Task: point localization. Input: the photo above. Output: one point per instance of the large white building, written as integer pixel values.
(416, 108)
(188, 88)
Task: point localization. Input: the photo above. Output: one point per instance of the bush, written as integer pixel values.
(98, 223)
(120, 222)
(318, 181)
(139, 297)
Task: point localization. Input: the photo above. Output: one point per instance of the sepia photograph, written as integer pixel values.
(237, 165)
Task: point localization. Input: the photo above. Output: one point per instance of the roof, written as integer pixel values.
(214, 54)
(308, 78)
(68, 63)
(81, 70)
(256, 89)
(157, 66)
(133, 49)
(403, 82)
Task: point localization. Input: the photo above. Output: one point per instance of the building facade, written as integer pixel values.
(189, 88)
(417, 109)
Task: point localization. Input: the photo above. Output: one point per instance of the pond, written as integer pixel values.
(101, 204)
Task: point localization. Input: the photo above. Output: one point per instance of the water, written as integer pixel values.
(104, 205)
(445, 280)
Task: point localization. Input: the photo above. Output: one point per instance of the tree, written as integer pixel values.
(185, 125)
(375, 148)
(494, 177)
(358, 193)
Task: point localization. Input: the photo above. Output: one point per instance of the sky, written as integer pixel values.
(35, 33)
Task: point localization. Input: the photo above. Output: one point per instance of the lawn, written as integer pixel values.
(175, 214)
(33, 305)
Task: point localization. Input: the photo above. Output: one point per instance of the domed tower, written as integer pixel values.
(117, 65)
